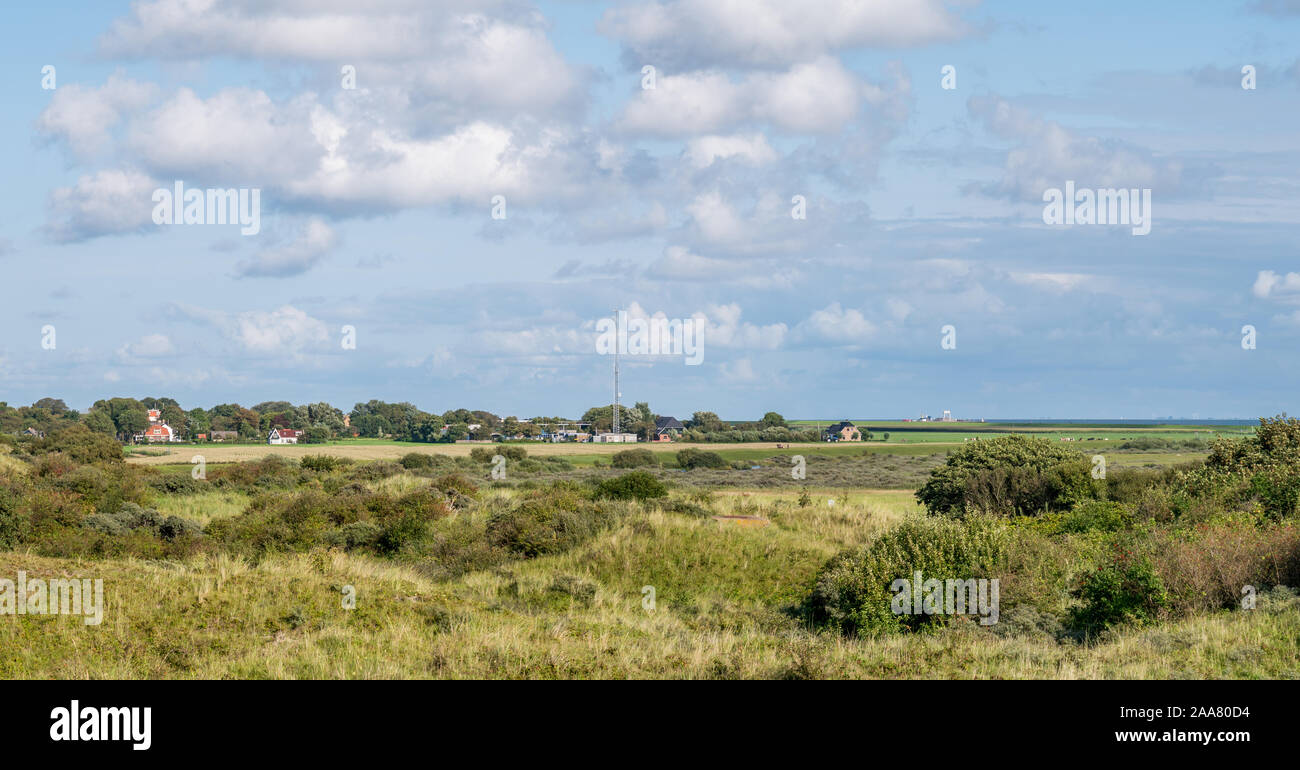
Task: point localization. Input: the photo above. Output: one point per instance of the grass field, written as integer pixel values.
(730, 557)
(719, 612)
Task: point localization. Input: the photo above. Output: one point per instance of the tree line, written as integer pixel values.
(125, 418)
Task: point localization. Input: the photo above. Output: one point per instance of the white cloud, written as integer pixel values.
(107, 202)
(82, 116)
(1269, 284)
(148, 346)
(295, 258)
(835, 323)
(752, 148)
(1048, 154)
(283, 331)
(1053, 282)
(819, 96)
(485, 53)
(696, 33)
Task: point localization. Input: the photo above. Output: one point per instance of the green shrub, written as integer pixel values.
(691, 458)
(1096, 515)
(484, 455)
(80, 444)
(14, 526)
(416, 461)
(634, 458)
(1008, 476)
(852, 593)
(320, 463)
(549, 521)
(1125, 590)
(637, 485)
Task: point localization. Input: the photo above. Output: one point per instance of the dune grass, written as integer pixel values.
(723, 596)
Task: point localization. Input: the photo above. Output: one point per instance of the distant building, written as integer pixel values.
(843, 431)
(668, 428)
(947, 416)
(34, 433)
(158, 431)
(224, 435)
(615, 438)
(283, 436)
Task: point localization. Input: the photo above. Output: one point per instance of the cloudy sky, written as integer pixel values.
(923, 204)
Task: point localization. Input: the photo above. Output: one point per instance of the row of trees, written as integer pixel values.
(124, 418)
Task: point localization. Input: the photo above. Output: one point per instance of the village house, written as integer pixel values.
(33, 433)
(843, 431)
(283, 436)
(668, 428)
(158, 430)
(224, 435)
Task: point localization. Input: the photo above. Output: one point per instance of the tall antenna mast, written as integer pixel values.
(616, 394)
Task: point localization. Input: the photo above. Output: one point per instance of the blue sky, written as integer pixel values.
(924, 204)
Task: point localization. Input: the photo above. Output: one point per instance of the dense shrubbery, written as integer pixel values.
(1262, 470)
(1126, 589)
(691, 458)
(79, 444)
(550, 520)
(853, 594)
(637, 485)
(482, 454)
(634, 458)
(1008, 476)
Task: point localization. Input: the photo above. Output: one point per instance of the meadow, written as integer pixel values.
(566, 569)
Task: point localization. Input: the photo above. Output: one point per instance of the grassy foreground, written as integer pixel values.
(722, 595)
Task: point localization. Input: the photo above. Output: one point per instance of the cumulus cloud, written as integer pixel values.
(835, 323)
(148, 346)
(1270, 284)
(294, 258)
(818, 96)
(703, 151)
(1047, 154)
(286, 330)
(82, 116)
(104, 203)
(488, 54)
(763, 33)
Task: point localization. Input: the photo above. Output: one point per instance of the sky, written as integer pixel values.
(847, 196)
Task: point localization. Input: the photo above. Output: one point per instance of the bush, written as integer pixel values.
(177, 484)
(549, 521)
(634, 458)
(80, 444)
(1126, 590)
(637, 485)
(320, 463)
(852, 593)
(1008, 476)
(14, 526)
(485, 454)
(416, 461)
(132, 518)
(1096, 515)
(691, 458)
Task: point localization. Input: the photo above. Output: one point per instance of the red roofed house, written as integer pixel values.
(158, 430)
(283, 436)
